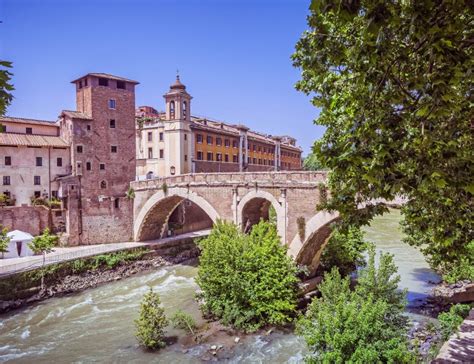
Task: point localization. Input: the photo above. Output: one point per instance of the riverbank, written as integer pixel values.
(23, 289)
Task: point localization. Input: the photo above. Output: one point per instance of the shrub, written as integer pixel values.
(184, 321)
(450, 321)
(247, 281)
(362, 326)
(151, 322)
(463, 268)
(344, 250)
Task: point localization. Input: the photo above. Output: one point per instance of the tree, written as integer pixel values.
(4, 240)
(43, 244)
(394, 83)
(247, 281)
(362, 326)
(311, 163)
(151, 322)
(182, 320)
(5, 87)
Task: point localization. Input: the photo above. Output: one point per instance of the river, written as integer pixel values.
(97, 325)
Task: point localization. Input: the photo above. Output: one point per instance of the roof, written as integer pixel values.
(12, 119)
(107, 75)
(76, 115)
(18, 235)
(31, 140)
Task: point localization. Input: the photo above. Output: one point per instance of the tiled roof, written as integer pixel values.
(31, 140)
(110, 77)
(76, 115)
(12, 119)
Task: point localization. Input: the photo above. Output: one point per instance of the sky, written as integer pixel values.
(233, 56)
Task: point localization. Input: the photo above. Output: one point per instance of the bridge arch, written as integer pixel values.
(317, 233)
(156, 211)
(261, 200)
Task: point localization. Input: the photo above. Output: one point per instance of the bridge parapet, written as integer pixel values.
(284, 178)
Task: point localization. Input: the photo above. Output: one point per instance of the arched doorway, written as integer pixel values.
(255, 210)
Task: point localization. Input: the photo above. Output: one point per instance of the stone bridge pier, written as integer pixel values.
(192, 202)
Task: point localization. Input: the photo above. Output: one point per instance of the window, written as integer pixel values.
(59, 162)
(185, 157)
(112, 104)
(149, 175)
(103, 82)
(209, 140)
(254, 147)
(39, 162)
(112, 123)
(113, 148)
(234, 144)
(29, 130)
(219, 157)
(210, 156)
(161, 137)
(150, 136)
(255, 161)
(88, 166)
(264, 162)
(185, 109)
(8, 161)
(79, 148)
(185, 136)
(162, 153)
(102, 166)
(226, 158)
(103, 184)
(199, 138)
(88, 127)
(54, 194)
(150, 152)
(172, 110)
(121, 85)
(227, 142)
(199, 156)
(85, 82)
(264, 150)
(37, 194)
(6, 180)
(234, 158)
(37, 180)
(117, 201)
(80, 84)
(259, 161)
(218, 141)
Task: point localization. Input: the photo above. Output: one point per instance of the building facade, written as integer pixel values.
(175, 142)
(74, 174)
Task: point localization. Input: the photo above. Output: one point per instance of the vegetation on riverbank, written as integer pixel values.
(247, 281)
(151, 322)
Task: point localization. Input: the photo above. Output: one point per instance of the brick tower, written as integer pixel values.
(101, 133)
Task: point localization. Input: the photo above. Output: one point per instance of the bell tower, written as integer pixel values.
(178, 137)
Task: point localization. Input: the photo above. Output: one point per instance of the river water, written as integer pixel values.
(97, 325)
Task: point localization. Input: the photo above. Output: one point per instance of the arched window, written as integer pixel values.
(172, 110)
(149, 175)
(103, 184)
(185, 109)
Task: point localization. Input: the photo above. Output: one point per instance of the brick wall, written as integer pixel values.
(32, 219)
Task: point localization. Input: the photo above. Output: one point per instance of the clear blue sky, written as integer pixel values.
(233, 56)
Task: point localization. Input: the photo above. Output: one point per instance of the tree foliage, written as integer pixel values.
(151, 322)
(451, 320)
(311, 163)
(6, 87)
(394, 83)
(43, 243)
(184, 321)
(247, 281)
(361, 326)
(344, 250)
(4, 240)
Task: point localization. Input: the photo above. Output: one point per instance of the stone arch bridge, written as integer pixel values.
(193, 202)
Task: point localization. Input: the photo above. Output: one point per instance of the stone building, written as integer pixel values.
(73, 174)
(175, 142)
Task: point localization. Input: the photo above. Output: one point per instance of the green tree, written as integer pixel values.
(182, 320)
(6, 87)
(247, 281)
(4, 240)
(360, 326)
(394, 83)
(43, 244)
(344, 250)
(151, 322)
(311, 163)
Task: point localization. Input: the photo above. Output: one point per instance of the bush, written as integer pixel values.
(247, 281)
(362, 326)
(344, 250)
(182, 320)
(463, 268)
(450, 321)
(151, 323)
